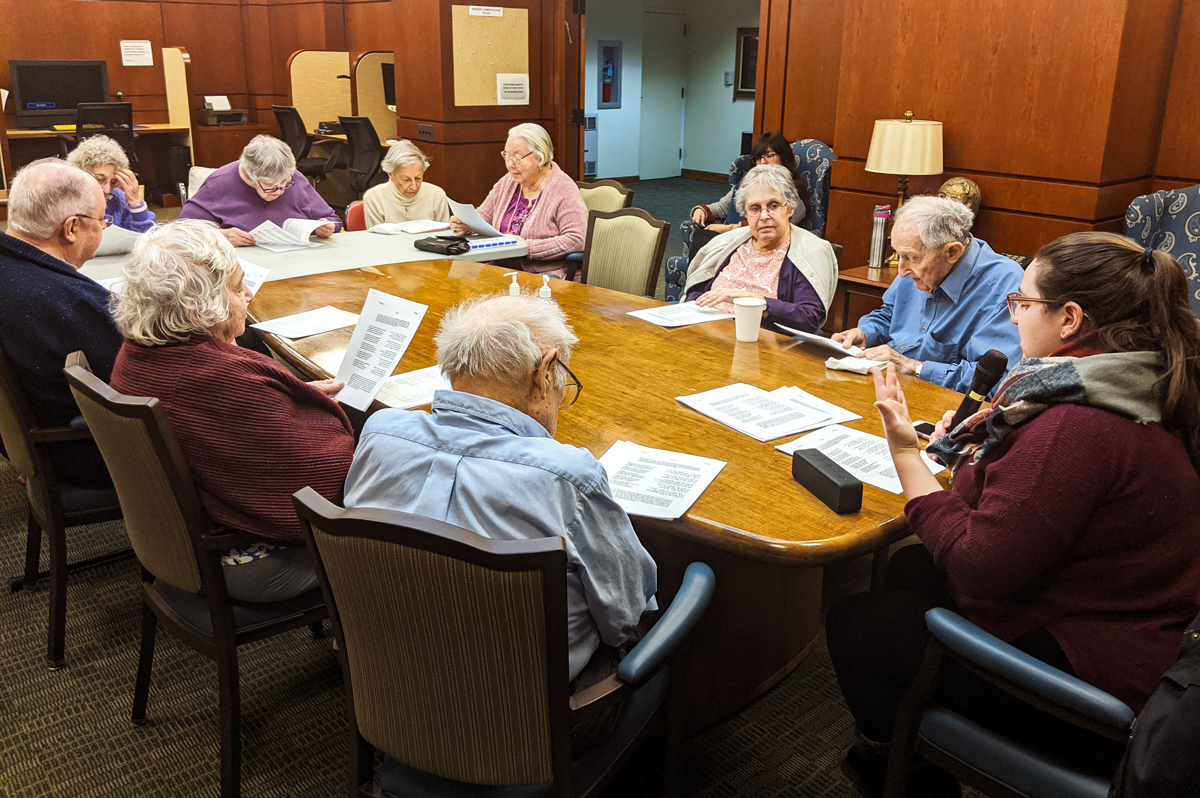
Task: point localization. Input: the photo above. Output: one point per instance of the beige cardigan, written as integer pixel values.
(385, 203)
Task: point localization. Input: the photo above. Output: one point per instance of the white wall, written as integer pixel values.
(618, 129)
(713, 120)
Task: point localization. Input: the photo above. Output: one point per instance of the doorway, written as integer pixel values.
(660, 150)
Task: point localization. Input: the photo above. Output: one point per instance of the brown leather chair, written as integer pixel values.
(183, 586)
(454, 651)
(53, 506)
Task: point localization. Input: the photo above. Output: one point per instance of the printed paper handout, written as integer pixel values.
(654, 482)
(293, 235)
(679, 315)
(752, 411)
(865, 456)
(384, 330)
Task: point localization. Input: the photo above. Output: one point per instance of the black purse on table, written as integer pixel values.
(444, 245)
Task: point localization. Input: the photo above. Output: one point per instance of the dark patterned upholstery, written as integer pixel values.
(1170, 221)
(814, 160)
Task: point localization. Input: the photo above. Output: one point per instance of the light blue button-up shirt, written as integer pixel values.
(950, 328)
(491, 469)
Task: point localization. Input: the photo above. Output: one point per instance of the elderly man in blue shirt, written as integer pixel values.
(948, 306)
(486, 460)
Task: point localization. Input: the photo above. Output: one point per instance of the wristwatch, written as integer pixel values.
(920, 365)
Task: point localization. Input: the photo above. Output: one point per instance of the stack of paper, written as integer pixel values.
(385, 328)
(834, 414)
(253, 275)
(752, 411)
(293, 235)
(865, 456)
(312, 322)
(415, 227)
(654, 482)
(679, 315)
(116, 241)
(412, 388)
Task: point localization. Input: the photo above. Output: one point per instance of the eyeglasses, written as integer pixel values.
(571, 390)
(765, 156)
(514, 158)
(275, 189)
(758, 210)
(1018, 304)
(105, 222)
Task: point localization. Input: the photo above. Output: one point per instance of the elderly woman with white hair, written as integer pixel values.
(770, 258)
(536, 202)
(263, 185)
(406, 196)
(251, 433)
(103, 159)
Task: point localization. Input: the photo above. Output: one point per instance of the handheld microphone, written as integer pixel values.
(988, 371)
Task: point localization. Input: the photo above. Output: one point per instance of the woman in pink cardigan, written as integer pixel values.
(536, 202)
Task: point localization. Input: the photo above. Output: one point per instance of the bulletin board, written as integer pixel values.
(485, 46)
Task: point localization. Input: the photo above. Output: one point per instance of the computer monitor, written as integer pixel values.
(46, 93)
(389, 85)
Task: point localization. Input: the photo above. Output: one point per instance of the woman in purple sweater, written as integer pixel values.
(1072, 526)
(263, 185)
(103, 159)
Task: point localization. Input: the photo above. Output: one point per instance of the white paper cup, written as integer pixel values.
(747, 316)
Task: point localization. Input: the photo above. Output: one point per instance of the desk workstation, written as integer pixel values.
(765, 536)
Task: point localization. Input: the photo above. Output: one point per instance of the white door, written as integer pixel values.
(661, 139)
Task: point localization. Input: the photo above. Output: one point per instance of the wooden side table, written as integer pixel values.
(859, 291)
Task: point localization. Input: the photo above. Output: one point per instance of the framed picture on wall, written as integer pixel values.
(746, 69)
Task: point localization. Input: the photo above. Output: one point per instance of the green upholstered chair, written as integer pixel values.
(183, 586)
(454, 652)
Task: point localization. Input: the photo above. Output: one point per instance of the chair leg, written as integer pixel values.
(676, 724)
(56, 642)
(141, 688)
(33, 553)
(231, 721)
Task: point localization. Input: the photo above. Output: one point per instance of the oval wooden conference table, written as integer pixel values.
(764, 535)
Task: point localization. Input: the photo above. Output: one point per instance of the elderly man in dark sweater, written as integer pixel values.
(55, 222)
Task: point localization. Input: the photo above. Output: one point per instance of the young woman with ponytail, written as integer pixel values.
(1073, 529)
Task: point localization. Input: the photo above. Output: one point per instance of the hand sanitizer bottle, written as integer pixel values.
(544, 291)
(513, 288)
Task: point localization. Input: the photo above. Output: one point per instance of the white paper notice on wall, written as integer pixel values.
(485, 11)
(136, 52)
(512, 88)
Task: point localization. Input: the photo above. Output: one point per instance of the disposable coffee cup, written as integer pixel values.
(747, 316)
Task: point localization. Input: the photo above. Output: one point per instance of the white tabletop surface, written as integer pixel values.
(340, 252)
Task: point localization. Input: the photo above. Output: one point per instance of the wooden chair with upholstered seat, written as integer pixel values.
(605, 195)
(624, 250)
(454, 651)
(180, 554)
(356, 217)
(53, 506)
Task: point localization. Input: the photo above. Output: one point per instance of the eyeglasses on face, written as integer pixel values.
(275, 189)
(571, 390)
(106, 221)
(772, 209)
(514, 158)
(1018, 304)
(765, 156)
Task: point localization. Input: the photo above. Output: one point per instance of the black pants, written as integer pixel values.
(877, 642)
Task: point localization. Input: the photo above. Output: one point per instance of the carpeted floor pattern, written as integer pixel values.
(672, 200)
(68, 732)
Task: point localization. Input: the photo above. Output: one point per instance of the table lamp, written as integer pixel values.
(905, 147)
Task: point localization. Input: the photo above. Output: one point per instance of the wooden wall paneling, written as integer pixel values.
(470, 170)
(1140, 93)
(773, 52)
(217, 146)
(257, 55)
(369, 26)
(810, 100)
(335, 25)
(299, 26)
(420, 74)
(1178, 163)
(1032, 97)
(218, 63)
(563, 90)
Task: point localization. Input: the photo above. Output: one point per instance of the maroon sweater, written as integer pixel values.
(252, 434)
(1083, 522)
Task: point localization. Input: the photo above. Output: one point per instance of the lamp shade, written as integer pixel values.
(906, 147)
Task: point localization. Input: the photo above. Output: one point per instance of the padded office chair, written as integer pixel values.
(624, 250)
(605, 195)
(430, 616)
(183, 586)
(114, 120)
(356, 217)
(291, 130)
(1170, 221)
(814, 161)
(196, 177)
(987, 761)
(366, 153)
(53, 506)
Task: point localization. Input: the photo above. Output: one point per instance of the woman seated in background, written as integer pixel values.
(768, 149)
(536, 202)
(263, 185)
(770, 258)
(406, 196)
(103, 159)
(1072, 526)
(251, 433)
